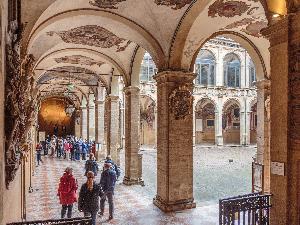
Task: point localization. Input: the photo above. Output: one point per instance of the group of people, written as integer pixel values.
(70, 148)
(90, 192)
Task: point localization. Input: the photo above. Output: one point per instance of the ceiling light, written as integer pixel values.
(276, 15)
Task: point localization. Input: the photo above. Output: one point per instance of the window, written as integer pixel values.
(210, 123)
(205, 68)
(148, 68)
(252, 73)
(232, 71)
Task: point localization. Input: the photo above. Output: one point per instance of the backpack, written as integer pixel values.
(91, 166)
(65, 185)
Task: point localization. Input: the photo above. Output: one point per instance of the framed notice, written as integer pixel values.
(42, 135)
(199, 125)
(257, 177)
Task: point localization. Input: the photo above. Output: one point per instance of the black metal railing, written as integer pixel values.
(251, 209)
(72, 221)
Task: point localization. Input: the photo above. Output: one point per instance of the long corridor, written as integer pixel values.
(132, 205)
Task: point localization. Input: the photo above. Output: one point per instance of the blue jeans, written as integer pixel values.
(93, 215)
(109, 195)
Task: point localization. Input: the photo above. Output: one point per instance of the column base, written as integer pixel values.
(128, 181)
(173, 206)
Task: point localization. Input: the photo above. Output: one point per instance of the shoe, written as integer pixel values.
(110, 217)
(100, 214)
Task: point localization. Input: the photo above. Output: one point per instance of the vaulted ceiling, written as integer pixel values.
(90, 41)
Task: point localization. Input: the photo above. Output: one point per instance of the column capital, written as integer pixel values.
(131, 90)
(277, 32)
(175, 76)
(112, 98)
(83, 107)
(99, 102)
(263, 84)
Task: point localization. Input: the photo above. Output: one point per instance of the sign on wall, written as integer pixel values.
(42, 136)
(277, 168)
(199, 125)
(257, 177)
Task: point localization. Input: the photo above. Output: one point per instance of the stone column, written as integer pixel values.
(84, 120)
(263, 130)
(174, 141)
(99, 128)
(113, 128)
(218, 123)
(194, 127)
(87, 122)
(133, 168)
(244, 123)
(91, 117)
(284, 116)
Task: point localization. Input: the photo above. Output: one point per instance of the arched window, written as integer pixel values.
(252, 73)
(148, 68)
(205, 68)
(232, 71)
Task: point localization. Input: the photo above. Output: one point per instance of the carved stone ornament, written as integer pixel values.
(181, 102)
(227, 9)
(78, 59)
(106, 4)
(92, 35)
(20, 107)
(174, 4)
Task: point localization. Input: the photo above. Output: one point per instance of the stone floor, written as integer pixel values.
(214, 178)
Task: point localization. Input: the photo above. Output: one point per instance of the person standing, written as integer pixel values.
(114, 166)
(107, 182)
(67, 189)
(89, 194)
(67, 149)
(84, 151)
(39, 149)
(91, 165)
(52, 146)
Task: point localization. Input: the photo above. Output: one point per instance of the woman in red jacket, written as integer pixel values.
(67, 192)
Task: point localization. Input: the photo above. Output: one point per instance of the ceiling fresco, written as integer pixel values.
(92, 35)
(78, 59)
(223, 8)
(106, 4)
(174, 4)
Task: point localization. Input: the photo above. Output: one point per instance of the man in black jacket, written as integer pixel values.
(107, 182)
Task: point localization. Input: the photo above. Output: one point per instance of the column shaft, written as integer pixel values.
(84, 127)
(133, 160)
(174, 141)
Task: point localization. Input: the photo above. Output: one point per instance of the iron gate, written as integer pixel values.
(251, 209)
(72, 221)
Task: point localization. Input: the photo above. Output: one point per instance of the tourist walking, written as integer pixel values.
(91, 165)
(107, 182)
(67, 192)
(52, 146)
(114, 166)
(39, 149)
(89, 194)
(67, 149)
(84, 151)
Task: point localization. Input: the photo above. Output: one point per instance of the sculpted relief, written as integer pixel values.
(106, 4)
(92, 35)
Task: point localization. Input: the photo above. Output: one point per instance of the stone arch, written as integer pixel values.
(205, 125)
(147, 120)
(231, 119)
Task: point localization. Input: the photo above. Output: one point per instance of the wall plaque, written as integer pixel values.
(277, 168)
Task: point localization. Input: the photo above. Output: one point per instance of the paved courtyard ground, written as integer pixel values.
(214, 178)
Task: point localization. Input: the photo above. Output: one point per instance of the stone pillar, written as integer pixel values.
(133, 170)
(194, 127)
(263, 130)
(244, 123)
(84, 122)
(113, 128)
(218, 122)
(87, 122)
(284, 116)
(77, 128)
(99, 128)
(91, 117)
(174, 141)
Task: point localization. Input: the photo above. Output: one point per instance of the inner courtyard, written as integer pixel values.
(173, 112)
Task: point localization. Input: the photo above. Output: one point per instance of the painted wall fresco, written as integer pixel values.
(78, 59)
(106, 4)
(52, 112)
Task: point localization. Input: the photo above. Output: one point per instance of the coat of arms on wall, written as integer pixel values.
(106, 4)
(181, 102)
(92, 35)
(176, 4)
(228, 9)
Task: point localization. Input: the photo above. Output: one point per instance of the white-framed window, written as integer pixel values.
(205, 68)
(232, 71)
(148, 68)
(252, 73)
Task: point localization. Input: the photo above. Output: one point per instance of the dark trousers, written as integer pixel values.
(109, 196)
(83, 156)
(72, 155)
(64, 210)
(39, 158)
(93, 215)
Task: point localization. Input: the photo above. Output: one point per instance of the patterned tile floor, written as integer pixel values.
(132, 205)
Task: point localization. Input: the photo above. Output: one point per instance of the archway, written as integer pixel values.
(205, 122)
(231, 122)
(147, 124)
